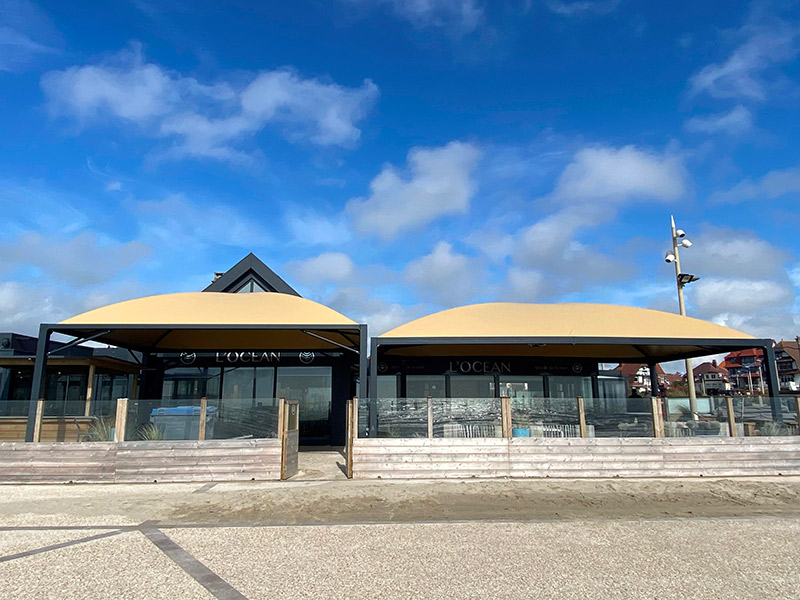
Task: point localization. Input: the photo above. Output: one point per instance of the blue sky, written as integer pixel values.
(391, 158)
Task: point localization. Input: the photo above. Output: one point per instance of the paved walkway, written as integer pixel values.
(146, 541)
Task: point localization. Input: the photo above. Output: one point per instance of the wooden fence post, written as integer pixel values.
(87, 409)
(731, 416)
(352, 432)
(430, 417)
(505, 415)
(122, 420)
(37, 424)
(281, 418)
(658, 419)
(201, 430)
(582, 416)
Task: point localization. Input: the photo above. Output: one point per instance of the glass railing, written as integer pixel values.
(545, 417)
(619, 417)
(755, 417)
(170, 419)
(399, 417)
(467, 417)
(14, 408)
(54, 428)
(238, 419)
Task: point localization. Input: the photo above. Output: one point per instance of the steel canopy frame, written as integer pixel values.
(705, 346)
(97, 331)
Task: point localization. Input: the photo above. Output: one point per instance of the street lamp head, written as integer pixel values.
(670, 256)
(680, 233)
(686, 243)
(684, 278)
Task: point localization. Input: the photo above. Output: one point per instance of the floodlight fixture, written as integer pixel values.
(680, 233)
(684, 278)
(686, 243)
(670, 256)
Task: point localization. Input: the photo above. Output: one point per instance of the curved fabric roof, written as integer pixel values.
(214, 308)
(593, 331)
(513, 319)
(216, 321)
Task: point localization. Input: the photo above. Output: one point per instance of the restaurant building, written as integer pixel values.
(242, 343)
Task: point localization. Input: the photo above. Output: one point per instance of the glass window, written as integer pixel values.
(570, 387)
(190, 383)
(611, 387)
(422, 386)
(522, 387)
(238, 382)
(265, 382)
(387, 386)
(311, 387)
(472, 386)
(249, 287)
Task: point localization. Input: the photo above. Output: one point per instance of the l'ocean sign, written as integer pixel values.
(247, 357)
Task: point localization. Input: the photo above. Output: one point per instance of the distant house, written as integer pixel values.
(745, 370)
(637, 377)
(787, 358)
(711, 379)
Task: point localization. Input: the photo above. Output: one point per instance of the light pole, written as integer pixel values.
(682, 279)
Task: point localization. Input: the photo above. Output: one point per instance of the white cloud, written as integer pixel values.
(737, 121)
(526, 285)
(176, 221)
(311, 228)
(716, 295)
(81, 260)
(440, 184)
(590, 190)
(446, 277)
(550, 247)
(581, 8)
(775, 184)
(363, 306)
(745, 283)
(334, 267)
(25, 34)
(617, 175)
(114, 186)
(732, 253)
(745, 73)
(461, 17)
(54, 303)
(208, 121)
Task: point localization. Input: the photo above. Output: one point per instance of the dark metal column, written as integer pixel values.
(39, 379)
(362, 362)
(772, 384)
(373, 390)
(653, 379)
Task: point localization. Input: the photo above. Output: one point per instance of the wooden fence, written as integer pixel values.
(423, 458)
(584, 456)
(123, 461)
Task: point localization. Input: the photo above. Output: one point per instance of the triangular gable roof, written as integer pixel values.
(250, 268)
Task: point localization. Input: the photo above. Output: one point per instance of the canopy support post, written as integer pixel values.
(772, 384)
(39, 379)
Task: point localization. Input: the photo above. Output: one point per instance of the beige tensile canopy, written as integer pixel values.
(216, 321)
(608, 333)
(207, 321)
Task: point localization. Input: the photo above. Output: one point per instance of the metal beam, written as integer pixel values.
(772, 384)
(77, 341)
(39, 379)
(324, 339)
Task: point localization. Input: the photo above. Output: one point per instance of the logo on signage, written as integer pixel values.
(306, 357)
(247, 357)
(188, 358)
(577, 368)
(479, 366)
